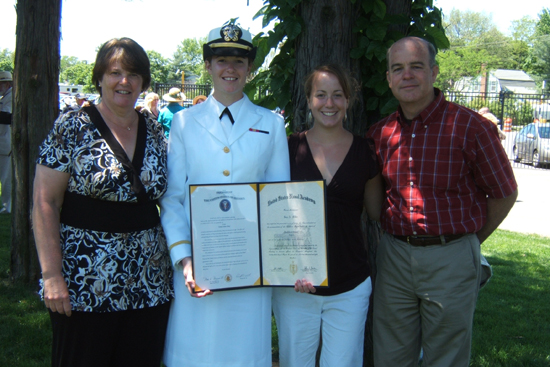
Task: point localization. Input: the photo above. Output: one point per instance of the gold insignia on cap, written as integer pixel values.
(231, 32)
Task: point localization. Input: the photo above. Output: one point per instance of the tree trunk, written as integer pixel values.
(36, 106)
(326, 38)
(396, 7)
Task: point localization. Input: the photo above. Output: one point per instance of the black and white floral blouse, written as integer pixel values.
(108, 271)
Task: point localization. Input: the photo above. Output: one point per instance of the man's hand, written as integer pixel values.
(497, 210)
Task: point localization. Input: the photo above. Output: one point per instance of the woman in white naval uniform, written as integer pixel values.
(229, 328)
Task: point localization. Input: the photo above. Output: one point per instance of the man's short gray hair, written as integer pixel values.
(431, 50)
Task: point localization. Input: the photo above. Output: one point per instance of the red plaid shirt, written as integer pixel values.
(440, 170)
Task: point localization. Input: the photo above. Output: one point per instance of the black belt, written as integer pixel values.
(429, 240)
(108, 216)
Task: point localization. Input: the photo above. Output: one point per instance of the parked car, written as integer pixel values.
(532, 144)
(542, 116)
(140, 103)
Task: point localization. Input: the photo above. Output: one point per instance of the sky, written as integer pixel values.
(502, 12)
(158, 25)
(161, 25)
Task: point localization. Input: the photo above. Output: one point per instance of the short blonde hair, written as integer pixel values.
(149, 98)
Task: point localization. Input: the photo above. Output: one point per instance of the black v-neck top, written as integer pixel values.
(347, 253)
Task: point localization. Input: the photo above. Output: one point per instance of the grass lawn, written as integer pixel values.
(511, 326)
(512, 320)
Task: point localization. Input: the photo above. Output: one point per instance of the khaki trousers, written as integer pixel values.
(425, 297)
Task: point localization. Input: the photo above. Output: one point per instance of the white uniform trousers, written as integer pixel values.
(302, 317)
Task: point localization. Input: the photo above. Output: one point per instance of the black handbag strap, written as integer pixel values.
(133, 168)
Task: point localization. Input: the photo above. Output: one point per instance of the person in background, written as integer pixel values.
(80, 101)
(485, 112)
(227, 139)
(150, 107)
(6, 101)
(449, 184)
(174, 97)
(199, 99)
(106, 272)
(349, 167)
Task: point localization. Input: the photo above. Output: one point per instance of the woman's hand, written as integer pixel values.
(187, 264)
(56, 294)
(303, 286)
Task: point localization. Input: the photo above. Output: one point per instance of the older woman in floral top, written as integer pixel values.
(106, 273)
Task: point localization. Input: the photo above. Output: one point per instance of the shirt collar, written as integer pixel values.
(437, 105)
(234, 108)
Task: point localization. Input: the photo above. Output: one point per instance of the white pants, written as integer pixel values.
(302, 317)
(5, 180)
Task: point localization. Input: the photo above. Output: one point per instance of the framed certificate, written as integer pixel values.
(258, 234)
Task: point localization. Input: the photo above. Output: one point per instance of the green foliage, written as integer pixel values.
(467, 27)
(77, 72)
(204, 78)
(67, 61)
(6, 60)
(187, 58)
(458, 62)
(475, 41)
(541, 58)
(160, 67)
(519, 56)
(543, 25)
(372, 31)
(539, 61)
(523, 29)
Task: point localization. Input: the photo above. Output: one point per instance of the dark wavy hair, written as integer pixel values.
(131, 56)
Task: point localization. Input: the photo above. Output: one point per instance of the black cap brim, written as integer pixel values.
(208, 52)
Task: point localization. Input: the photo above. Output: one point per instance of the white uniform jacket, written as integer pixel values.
(200, 153)
(228, 328)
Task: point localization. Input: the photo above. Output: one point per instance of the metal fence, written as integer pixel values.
(514, 111)
(190, 91)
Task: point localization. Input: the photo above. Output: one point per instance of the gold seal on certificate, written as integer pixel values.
(293, 268)
(258, 234)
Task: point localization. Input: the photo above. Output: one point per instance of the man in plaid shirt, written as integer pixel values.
(449, 185)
